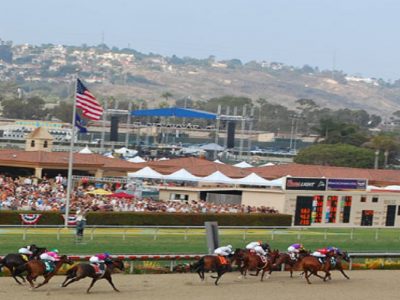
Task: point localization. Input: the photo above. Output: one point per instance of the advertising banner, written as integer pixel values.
(305, 184)
(347, 184)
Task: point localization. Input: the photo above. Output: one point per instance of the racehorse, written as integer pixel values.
(214, 263)
(337, 263)
(311, 265)
(13, 261)
(83, 270)
(292, 264)
(36, 268)
(253, 262)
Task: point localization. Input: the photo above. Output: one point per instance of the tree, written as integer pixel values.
(29, 108)
(166, 96)
(63, 111)
(339, 155)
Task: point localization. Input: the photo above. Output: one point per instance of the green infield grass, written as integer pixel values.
(193, 241)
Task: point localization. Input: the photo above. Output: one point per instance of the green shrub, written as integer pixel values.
(149, 218)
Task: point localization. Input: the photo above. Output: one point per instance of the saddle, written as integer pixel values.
(99, 269)
(49, 266)
(222, 260)
(333, 262)
(263, 258)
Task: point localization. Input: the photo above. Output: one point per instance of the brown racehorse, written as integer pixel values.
(291, 264)
(254, 262)
(214, 263)
(311, 265)
(83, 270)
(36, 268)
(15, 262)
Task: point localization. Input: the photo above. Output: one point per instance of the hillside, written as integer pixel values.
(128, 74)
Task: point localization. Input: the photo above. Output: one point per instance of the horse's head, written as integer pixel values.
(238, 254)
(344, 255)
(117, 264)
(273, 255)
(66, 260)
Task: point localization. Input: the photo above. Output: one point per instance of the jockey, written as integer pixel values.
(224, 250)
(25, 250)
(258, 247)
(51, 255)
(321, 254)
(294, 250)
(99, 260)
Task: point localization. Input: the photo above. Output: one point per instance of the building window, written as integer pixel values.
(398, 210)
(331, 209)
(363, 199)
(317, 204)
(45, 144)
(345, 209)
(375, 199)
(32, 143)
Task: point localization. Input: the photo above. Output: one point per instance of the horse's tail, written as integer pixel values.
(1, 263)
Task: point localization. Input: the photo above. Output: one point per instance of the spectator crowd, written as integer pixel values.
(49, 194)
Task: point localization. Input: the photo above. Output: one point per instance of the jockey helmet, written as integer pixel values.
(260, 242)
(229, 246)
(106, 254)
(54, 250)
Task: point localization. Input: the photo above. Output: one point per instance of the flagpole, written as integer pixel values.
(71, 157)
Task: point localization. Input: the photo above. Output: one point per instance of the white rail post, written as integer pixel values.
(92, 233)
(351, 233)
(155, 233)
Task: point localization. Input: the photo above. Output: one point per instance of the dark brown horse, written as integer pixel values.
(311, 265)
(214, 263)
(336, 262)
(83, 270)
(13, 261)
(253, 262)
(37, 268)
(289, 262)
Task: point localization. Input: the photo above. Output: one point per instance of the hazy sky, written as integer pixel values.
(357, 36)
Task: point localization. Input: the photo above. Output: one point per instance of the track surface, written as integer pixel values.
(363, 285)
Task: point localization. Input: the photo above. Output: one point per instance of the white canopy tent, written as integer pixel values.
(218, 177)
(253, 179)
(279, 182)
(146, 172)
(268, 164)
(126, 152)
(181, 175)
(243, 164)
(212, 147)
(164, 158)
(219, 162)
(86, 150)
(136, 159)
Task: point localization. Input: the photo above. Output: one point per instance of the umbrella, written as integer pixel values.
(99, 192)
(122, 195)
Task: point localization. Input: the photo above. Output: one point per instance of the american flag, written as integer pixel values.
(91, 108)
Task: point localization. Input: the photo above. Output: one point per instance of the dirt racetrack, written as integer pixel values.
(362, 285)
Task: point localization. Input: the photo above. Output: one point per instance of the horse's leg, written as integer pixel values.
(29, 278)
(91, 285)
(306, 275)
(46, 280)
(220, 273)
(14, 275)
(344, 274)
(112, 284)
(65, 283)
